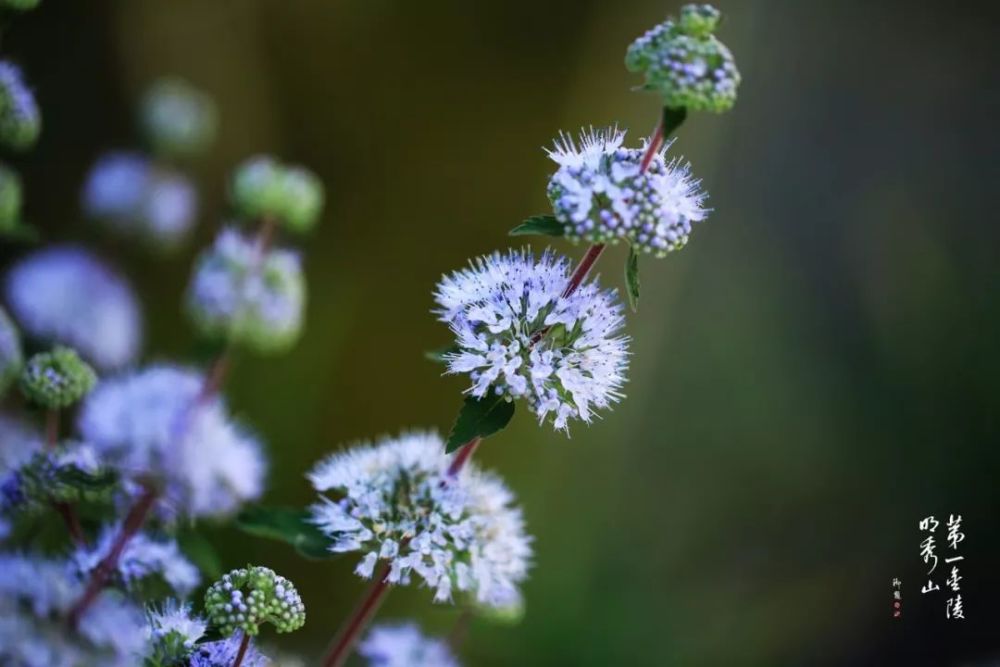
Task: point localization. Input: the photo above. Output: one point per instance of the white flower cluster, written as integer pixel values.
(247, 294)
(142, 558)
(519, 336)
(156, 423)
(394, 502)
(403, 645)
(601, 195)
(64, 294)
(175, 620)
(35, 595)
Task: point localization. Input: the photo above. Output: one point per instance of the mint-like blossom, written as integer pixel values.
(64, 294)
(394, 503)
(143, 558)
(223, 654)
(519, 336)
(404, 645)
(155, 423)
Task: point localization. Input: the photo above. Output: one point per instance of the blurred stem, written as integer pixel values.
(348, 635)
(52, 427)
(65, 510)
(244, 645)
(100, 575)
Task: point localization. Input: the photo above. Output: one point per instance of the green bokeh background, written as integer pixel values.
(811, 376)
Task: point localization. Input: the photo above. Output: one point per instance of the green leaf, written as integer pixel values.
(440, 354)
(478, 418)
(87, 483)
(672, 119)
(289, 525)
(544, 225)
(632, 278)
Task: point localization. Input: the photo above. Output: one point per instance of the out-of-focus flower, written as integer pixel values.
(600, 194)
(223, 654)
(264, 188)
(395, 502)
(247, 597)
(519, 336)
(142, 558)
(20, 120)
(155, 423)
(684, 62)
(403, 645)
(131, 196)
(57, 379)
(247, 294)
(11, 356)
(178, 119)
(66, 295)
(68, 473)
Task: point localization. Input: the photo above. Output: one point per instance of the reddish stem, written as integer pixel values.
(99, 577)
(655, 142)
(583, 268)
(244, 645)
(463, 455)
(69, 515)
(348, 635)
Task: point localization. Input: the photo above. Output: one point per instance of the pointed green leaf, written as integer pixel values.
(289, 525)
(544, 225)
(478, 418)
(632, 278)
(672, 119)
(440, 355)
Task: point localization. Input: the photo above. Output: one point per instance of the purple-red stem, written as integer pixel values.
(99, 577)
(463, 455)
(244, 645)
(347, 637)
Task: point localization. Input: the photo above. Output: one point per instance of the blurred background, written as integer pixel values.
(814, 374)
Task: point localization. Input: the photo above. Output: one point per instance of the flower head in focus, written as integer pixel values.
(247, 597)
(156, 423)
(246, 294)
(519, 336)
(173, 630)
(600, 194)
(66, 295)
(394, 502)
(20, 120)
(404, 645)
(57, 379)
(130, 195)
(684, 62)
(178, 119)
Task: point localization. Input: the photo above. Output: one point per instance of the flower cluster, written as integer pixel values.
(173, 630)
(156, 423)
(143, 558)
(601, 195)
(248, 294)
(132, 195)
(57, 379)
(395, 502)
(247, 597)
(177, 118)
(403, 645)
(684, 62)
(223, 653)
(67, 295)
(520, 336)
(11, 356)
(68, 473)
(20, 120)
(262, 188)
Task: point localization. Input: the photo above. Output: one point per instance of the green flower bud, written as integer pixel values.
(685, 63)
(10, 199)
(70, 473)
(264, 188)
(57, 379)
(178, 119)
(247, 597)
(20, 121)
(11, 358)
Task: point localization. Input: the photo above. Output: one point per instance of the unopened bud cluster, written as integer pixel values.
(247, 597)
(57, 379)
(178, 119)
(684, 62)
(20, 120)
(263, 188)
(70, 473)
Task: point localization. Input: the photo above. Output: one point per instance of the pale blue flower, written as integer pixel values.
(64, 294)
(403, 645)
(223, 654)
(143, 557)
(394, 502)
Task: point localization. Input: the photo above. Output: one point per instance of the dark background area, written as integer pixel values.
(811, 376)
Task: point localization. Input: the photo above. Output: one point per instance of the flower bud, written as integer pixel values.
(57, 379)
(178, 119)
(247, 597)
(20, 120)
(10, 199)
(684, 62)
(264, 188)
